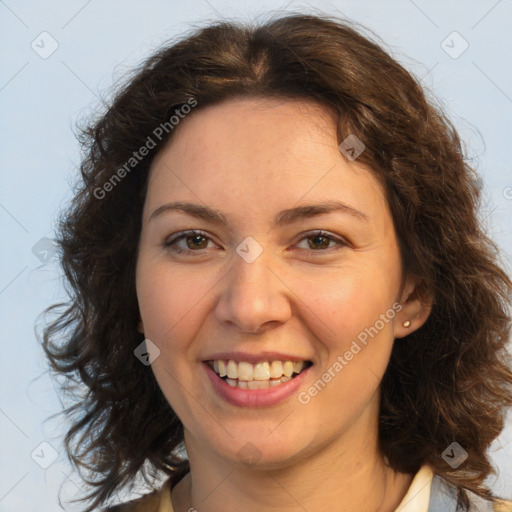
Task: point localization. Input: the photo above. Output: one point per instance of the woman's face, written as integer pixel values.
(259, 285)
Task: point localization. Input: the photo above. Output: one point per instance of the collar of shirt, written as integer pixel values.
(417, 498)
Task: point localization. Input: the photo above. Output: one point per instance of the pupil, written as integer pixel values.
(319, 237)
(196, 238)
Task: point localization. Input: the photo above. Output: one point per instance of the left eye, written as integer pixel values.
(199, 240)
(321, 240)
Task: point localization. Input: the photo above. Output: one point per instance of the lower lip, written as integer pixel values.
(255, 397)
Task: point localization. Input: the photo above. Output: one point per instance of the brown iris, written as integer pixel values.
(321, 237)
(196, 238)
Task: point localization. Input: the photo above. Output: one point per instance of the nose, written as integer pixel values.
(254, 296)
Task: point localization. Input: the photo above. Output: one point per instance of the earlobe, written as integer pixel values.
(140, 326)
(416, 308)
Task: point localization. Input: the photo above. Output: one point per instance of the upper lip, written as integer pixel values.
(255, 358)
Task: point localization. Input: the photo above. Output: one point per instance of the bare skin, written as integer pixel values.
(250, 159)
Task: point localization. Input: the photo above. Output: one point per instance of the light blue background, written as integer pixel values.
(98, 41)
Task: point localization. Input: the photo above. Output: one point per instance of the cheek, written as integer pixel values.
(355, 342)
(167, 299)
(339, 306)
(169, 303)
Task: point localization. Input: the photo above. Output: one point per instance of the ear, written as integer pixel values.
(416, 307)
(140, 325)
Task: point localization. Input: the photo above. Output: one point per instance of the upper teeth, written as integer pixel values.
(259, 371)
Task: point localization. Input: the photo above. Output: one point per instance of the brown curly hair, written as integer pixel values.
(449, 380)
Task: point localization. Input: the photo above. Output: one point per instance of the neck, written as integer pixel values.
(349, 473)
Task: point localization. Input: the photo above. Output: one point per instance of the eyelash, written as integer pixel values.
(168, 244)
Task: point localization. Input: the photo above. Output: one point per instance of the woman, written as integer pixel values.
(276, 263)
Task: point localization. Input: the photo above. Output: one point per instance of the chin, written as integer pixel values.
(263, 453)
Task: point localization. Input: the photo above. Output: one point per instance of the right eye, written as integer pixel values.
(197, 240)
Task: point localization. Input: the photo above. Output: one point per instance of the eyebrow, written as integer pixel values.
(282, 218)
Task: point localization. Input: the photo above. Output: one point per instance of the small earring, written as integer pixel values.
(407, 323)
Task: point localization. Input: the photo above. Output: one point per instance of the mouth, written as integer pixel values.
(262, 375)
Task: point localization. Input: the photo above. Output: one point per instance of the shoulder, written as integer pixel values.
(443, 498)
(503, 506)
(151, 502)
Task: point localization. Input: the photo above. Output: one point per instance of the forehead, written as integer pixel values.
(256, 155)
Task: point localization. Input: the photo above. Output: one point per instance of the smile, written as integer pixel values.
(262, 375)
